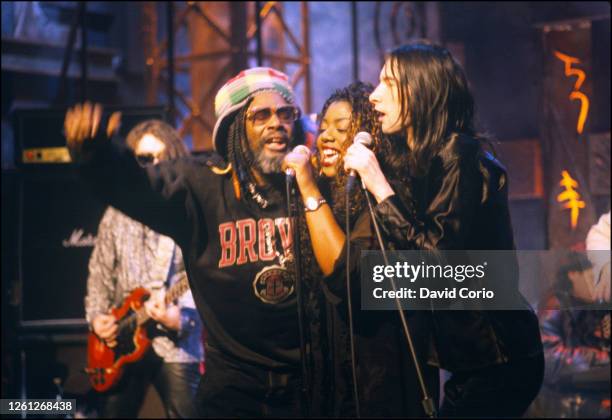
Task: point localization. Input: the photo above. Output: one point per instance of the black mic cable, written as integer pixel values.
(290, 175)
(366, 139)
(428, 404)
(349, 300)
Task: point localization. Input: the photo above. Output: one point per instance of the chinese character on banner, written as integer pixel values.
(566, 119)
(576, 94)
(571, 197)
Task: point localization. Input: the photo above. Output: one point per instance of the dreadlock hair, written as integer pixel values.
(175, 147)
(242, 159)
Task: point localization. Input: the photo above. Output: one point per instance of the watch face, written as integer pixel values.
(312, 203)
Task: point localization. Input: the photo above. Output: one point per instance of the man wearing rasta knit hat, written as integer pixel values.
(254, 131)
(232, 226)
(235, 93)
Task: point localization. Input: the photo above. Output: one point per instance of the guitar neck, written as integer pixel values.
(175, 292)
(142, 316)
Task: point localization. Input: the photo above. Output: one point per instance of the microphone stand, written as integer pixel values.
(293, 214)
(427, 402)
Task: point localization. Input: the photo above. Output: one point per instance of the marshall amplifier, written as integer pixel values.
(58, 223)
(59, 220)
(39, 132)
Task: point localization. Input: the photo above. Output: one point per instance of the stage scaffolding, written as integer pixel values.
(235, 33)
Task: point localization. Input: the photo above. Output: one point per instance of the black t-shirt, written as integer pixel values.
(234, 258)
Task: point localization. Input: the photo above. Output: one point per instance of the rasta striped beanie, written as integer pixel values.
(235, 93)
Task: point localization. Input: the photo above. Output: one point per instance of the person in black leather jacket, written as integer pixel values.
(437, 189)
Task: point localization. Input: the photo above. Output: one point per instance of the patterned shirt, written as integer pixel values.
(128, 255)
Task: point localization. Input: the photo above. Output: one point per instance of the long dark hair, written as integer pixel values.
(434, 96)
(175, 147)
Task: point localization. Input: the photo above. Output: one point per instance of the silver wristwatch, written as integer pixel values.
(313, 204)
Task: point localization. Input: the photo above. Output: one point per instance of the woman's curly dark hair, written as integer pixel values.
(363, 118)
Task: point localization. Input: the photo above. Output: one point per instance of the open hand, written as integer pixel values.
(82, 123)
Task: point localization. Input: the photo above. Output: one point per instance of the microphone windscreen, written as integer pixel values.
(363, 138)
(301, 149)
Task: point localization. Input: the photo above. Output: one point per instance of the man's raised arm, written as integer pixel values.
(157, 196)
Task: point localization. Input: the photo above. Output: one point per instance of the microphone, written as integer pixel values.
(363, 138)
(301, 149)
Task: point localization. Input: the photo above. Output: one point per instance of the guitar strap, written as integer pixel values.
(172, 270)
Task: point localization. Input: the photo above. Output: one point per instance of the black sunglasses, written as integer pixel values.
(145, 159)
(285, 114)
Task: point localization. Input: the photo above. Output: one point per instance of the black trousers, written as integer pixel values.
(231, 388)
(176, 384)
(504, 390)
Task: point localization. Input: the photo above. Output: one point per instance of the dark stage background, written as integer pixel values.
(507, 48)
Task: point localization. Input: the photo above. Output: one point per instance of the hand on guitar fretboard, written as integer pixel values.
(125, 330)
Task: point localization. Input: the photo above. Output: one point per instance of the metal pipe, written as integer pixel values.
(82, 17)
(170, 37)
(305, 53)
(354, 23)
(61, 96)
(258, 33)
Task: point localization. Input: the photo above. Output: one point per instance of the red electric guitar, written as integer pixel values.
(134, 334)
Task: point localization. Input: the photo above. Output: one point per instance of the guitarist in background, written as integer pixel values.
(129, 255)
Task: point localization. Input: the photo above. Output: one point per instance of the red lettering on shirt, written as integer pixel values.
(247, 242)
(238, 239)
(228, 244)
